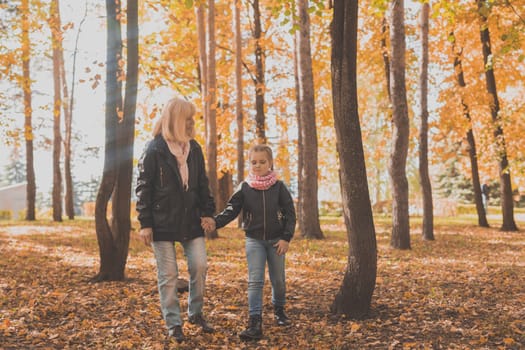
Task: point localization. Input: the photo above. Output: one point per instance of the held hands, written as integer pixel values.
(282, 246)
(208, 224)
(146, 235)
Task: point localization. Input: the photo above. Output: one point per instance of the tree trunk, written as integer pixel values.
(70, 205)
(203, 66)
(260, 84)
(460, 79)
(116, 179)
(211, 122)
(310, 226)
(400, 220)
(238, 91)
(225, 190)
(121, 199)
(239, 96)
(386, 65)
(300, 164)
(68, 197)
(355, 295)
(57, 135)
(28, 112)
(507, 204)
(386, 58)
(424, 177)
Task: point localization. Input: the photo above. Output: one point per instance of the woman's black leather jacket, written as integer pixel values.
(162, 204)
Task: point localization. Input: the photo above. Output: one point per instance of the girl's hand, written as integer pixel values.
(208, 224)
(146, 235)
(282, 246)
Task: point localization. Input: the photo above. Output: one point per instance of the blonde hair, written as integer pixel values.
(262, 148)
(172, 122)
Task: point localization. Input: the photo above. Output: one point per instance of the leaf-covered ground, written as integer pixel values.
(465, 290)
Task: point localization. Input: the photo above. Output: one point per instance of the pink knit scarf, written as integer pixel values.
(262, 182)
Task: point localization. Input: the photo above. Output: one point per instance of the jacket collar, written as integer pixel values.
(160, 145)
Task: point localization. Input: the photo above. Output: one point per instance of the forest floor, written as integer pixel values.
(465, 290)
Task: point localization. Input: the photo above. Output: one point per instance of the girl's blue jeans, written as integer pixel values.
(167, 274)
(258, 252)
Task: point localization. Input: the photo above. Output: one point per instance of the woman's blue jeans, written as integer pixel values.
(167, 274)
(258, 252)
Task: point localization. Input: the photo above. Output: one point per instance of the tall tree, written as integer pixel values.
(113, 240)
(424, 177)
(355, 295)
(211, 107)
(211, 87)
(238, 91)
(300, 162)
(310, 226)
(68, 123)
(68, 179)
(56, 42)
(28, 111)
(260, 83)
(473, 156)
(397, 168)
(507, 204)
(200, 13)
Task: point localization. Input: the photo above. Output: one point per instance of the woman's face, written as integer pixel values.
(260, 164)
(190, 125)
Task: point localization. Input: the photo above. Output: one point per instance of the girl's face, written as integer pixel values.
(260, 164)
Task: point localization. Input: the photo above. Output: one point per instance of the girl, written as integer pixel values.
(269, 223)
(173, 195)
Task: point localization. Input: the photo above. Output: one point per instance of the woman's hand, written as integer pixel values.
(146, 235)
(208, 224)
(282, 246)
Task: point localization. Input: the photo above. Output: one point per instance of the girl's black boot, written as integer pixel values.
(254, 330)
(280, 317)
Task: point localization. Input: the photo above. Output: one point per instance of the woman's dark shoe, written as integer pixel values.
(280, 317)
(200, 321)
(254, 330)
(176, 332)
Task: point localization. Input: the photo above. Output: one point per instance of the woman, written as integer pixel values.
(173, 196)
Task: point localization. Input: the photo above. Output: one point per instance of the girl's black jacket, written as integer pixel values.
(267, 214)
(162, 204)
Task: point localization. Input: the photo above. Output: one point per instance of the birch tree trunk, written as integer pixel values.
(355, 295)
(397, 168)
(424, 177)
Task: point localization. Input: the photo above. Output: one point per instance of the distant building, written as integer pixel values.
(13, 199)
